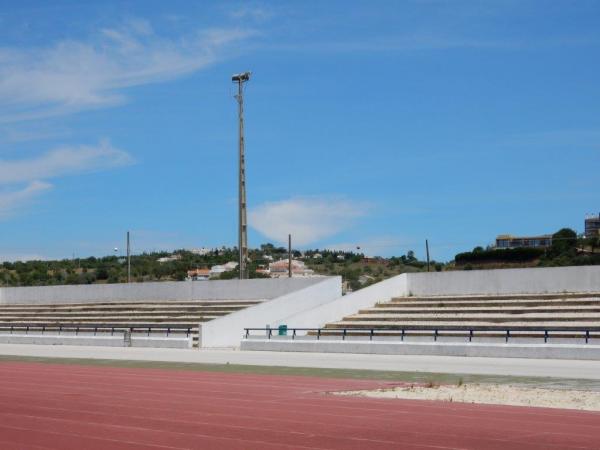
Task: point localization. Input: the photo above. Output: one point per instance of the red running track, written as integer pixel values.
(89, 407)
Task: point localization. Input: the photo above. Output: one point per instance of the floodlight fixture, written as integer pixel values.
(241, 77)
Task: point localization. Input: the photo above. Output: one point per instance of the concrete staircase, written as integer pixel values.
(491, 315)
(155, 315)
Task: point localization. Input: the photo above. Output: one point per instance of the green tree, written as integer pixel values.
(564, 242)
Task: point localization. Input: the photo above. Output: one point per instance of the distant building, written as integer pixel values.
(263, 271)
(220, 268)
(231, 265)
(165, 259)
(202, 251)
(198, 274)
(509, 241)
(280, 268)
(373, 260)
(592, 225)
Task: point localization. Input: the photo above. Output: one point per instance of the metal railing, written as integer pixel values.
(436, 332)
(42, 328)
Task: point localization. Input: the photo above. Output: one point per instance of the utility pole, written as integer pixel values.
(427, 250)
(290, 255)
(128, 260)
(240, 79)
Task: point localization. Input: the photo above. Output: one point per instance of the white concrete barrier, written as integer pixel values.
(255, 289)
(501, 281)
(534, 351)
(506, 281)
(227, 331)
(96, 341)
(349, 304)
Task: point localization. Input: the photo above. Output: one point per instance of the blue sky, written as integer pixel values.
(375, 124)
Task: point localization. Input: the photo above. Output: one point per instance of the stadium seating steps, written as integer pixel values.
(153, 314)
(494, 313)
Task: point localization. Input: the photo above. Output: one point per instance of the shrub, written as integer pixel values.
(509, 255)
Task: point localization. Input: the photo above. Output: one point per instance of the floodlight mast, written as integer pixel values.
(240, 79)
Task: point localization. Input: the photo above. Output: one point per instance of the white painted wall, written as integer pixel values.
(348, 304)
(164, 291)
(227, 331)
(506, 281)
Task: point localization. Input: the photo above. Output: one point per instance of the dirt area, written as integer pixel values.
(496, 394)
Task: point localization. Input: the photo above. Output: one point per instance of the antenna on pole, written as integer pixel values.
(240, 79)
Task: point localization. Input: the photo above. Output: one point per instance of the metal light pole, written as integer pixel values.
(240, 79)
(128, 260)
(290, 255)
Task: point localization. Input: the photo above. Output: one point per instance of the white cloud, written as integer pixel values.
(307, 219)
(12, 200)
(70, 75)
(17, 134)
(23, 178)
(258, 14)
(63, 161)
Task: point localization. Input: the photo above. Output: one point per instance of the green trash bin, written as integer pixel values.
(282, 330)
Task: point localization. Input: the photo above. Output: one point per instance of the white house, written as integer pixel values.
(202, 251)
(165, 259)
(220, 268)
(281, 269)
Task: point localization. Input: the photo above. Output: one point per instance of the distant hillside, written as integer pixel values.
(356, 270)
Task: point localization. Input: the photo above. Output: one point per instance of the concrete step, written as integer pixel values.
(495, 318)
(565, 295)
(490, 303)
(157, 313)
(110, 306)
(76, 319)
(492, 310)
(116, 323)
(497, 333)
(461, 325)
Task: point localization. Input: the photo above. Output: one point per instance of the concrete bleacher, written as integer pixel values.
(529, 313)
(166, 323)
(177, 314)
(560, 326)
(565, 315)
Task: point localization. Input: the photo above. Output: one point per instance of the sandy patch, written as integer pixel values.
(496, 394)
